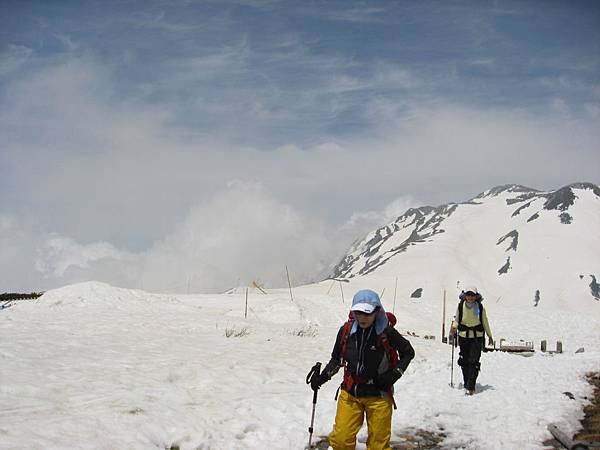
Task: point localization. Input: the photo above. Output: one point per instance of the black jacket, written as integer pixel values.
(365, 358)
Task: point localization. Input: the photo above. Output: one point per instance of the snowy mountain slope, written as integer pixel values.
(510, 240)
(90, 366)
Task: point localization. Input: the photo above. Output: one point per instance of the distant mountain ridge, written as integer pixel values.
(499, 237)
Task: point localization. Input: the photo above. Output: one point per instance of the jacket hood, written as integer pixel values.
(361, 302)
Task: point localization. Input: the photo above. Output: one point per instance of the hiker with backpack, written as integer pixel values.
(374, 356)
(470, 325)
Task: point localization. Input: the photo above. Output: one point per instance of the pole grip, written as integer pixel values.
(316, 370)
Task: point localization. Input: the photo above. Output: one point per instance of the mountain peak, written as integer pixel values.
(438, 245)
(585, 185)
(493, 192)
(564, 197)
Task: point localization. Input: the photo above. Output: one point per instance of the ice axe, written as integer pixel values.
(315, 371)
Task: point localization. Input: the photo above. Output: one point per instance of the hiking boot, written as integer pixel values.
(469, 391)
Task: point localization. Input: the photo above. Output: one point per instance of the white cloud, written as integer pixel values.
(124, 174)
(240, 234)
(243, 233)
(110, 167)
(57, 254)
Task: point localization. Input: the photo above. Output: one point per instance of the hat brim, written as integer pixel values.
(472, 289)
(366, 308)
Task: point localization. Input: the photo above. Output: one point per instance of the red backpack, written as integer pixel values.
(382, 341)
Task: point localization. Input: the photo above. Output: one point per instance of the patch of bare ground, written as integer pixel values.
(590, 425)
(412, 440)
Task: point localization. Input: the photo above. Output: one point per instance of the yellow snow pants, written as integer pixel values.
(350, 416)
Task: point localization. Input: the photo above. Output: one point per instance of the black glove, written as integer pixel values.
(387, 379)
(318, 380)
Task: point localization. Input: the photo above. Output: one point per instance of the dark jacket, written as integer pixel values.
(367, 359)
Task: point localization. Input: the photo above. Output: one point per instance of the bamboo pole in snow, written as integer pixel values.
(289, 283)
(444, 318)
(395, 289)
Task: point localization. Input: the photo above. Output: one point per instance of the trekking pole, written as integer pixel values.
(315, 371)
(453, 343)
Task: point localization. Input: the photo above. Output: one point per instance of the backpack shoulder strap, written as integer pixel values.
(391, 318)
(460, 311)
(391, 352)
(345, 333)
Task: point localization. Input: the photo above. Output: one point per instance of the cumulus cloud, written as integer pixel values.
(243, 233)
(57, 254)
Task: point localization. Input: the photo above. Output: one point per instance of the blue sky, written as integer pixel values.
(121, 121)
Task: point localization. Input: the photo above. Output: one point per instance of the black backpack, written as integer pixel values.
(461, 327)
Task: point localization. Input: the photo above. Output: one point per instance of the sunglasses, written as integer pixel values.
(361, 313)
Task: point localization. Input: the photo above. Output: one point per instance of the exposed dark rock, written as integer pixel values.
(514, 234)
(566, 218)
(561, 199)
(595, 288)
(505, 267)
(344, 266)
(521, 198)
(519, 209)
(532, 218)
(17, 296)
(417, 293)
(376, 239)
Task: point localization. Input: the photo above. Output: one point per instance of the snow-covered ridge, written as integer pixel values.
(98, 295)
(510, 238)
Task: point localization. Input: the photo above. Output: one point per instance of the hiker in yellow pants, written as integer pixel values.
(374, 356)
(349, 418)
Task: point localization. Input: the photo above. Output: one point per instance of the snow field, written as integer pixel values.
(91, 366)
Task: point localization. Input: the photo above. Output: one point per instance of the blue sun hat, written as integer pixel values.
(367, 301)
